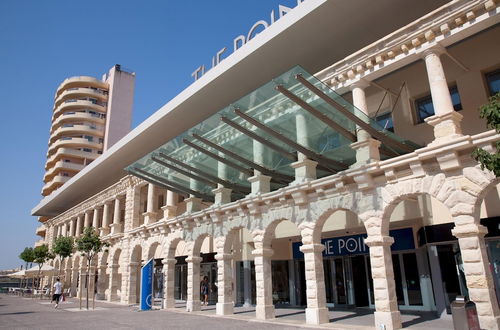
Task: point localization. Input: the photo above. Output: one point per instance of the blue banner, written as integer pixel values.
(147, 285)
(355, 244)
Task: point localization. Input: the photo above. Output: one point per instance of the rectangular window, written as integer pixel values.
(87, 150)
(385, 120)
(425, 108)
(493, 80)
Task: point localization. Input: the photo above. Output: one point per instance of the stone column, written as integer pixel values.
(477, 270)
(224, 284)
(59, 230)
(316, 311)
(170, 209)
(150, 215)
(367, 149)
(193, 284)
(131, 294)
(264, 285)
(116, 227)
(114, 282)
(105, 219)
(387, 315)
(71, 228)
(446, 121)
(95, 219)
(78, 230)
(102, 284)
(74, 282)
(169, 282)
(87, 222)
(260, 184)
(63, 229)
(222, 195)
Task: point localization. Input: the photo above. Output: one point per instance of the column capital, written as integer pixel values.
(469, 230)
(312, 248)
(379, 241)
(223, 256)
(436, 49)
(169, 262)
(263, 252)
(194, 260)
(361, 83)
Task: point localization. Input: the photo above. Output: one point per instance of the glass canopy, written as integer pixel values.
(294, 114)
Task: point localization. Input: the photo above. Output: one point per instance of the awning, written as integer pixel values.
(265, 131)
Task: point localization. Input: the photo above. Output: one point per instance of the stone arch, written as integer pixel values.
(170, 247)
(311, 230)
(151, 250)
(437, 186)
(481, 184)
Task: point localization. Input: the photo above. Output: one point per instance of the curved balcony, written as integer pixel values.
(78, 92)
(41, 230)
(66, 152)
(70, 105)
(81, 81)
(75, 129)
(56, 182)
(70, 142)
(62, 166)
(39, 242)
(69, 117)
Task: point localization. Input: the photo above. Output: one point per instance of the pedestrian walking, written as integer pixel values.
(57, 292)
(204, 290)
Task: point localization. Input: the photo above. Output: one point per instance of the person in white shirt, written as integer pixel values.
(57, 292)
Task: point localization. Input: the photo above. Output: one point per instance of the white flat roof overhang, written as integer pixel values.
(314, 35)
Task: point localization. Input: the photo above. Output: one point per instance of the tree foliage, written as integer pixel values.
(63, 246)
(41, 254)
(491, 113)
(27, 255)
(89, 244)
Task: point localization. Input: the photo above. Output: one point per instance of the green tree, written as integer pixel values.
(41, 255)
(491, 112)
(89, 244)
(27, 256)
(63, 247)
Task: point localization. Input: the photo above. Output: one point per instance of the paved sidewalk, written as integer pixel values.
(26, 313)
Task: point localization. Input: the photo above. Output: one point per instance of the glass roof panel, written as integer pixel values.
(264, 131)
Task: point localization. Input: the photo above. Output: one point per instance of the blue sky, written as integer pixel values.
(44, 42)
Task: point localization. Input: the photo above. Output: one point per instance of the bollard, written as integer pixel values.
(464, 314)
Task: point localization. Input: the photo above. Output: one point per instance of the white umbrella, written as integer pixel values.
(45, 270)
(19, 274)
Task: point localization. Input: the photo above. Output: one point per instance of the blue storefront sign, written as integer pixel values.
(147, 285)
(355, 244)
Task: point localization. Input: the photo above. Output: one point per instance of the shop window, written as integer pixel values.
(425, 108)
(385, 120)
(493, 80)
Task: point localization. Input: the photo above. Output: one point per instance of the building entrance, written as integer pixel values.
(210, 270)
(346, 281)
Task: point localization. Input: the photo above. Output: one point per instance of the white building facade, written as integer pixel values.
(350, 187)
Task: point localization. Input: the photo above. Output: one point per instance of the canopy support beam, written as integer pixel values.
(316, 113)
(282, 177)
(358, 121)
(205, 177)
(326, 162)
(176, 185)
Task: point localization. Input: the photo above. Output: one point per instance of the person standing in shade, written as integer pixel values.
(57, 292)
(204, 290)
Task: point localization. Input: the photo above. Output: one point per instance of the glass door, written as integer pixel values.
(180, 278)
(340, 291)
(407, 280)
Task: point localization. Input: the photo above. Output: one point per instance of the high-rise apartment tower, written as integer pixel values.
(89, 116)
